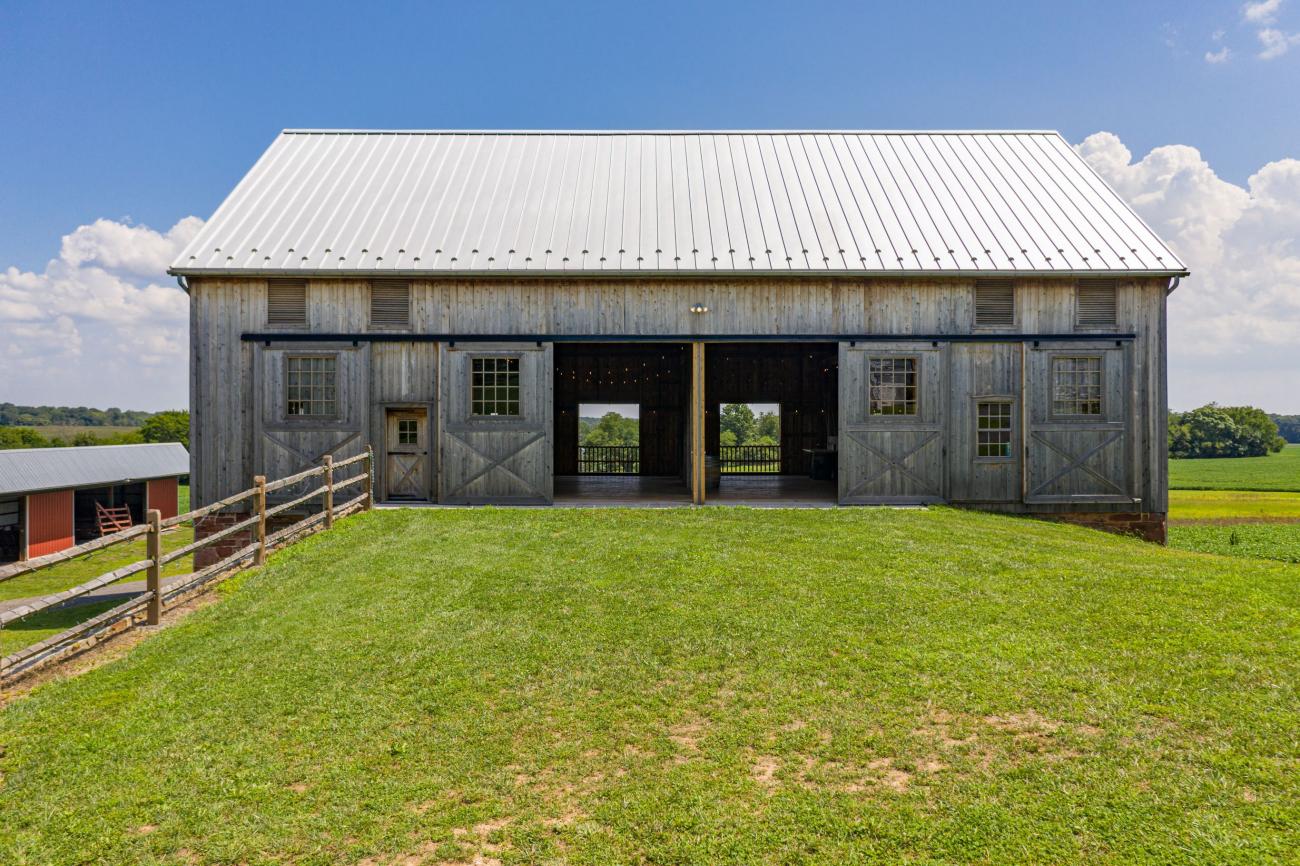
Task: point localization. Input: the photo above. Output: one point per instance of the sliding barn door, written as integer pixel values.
(496, 439)
(1079, 447)
(891, 447)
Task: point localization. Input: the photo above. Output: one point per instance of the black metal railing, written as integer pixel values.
(751, 459)
(609, 459)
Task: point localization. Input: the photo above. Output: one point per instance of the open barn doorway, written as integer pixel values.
(621, 423)
(771, 422)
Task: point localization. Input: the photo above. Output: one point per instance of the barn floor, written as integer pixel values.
(760, 490)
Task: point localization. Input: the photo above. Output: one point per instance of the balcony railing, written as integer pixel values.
(609, 459)
(750, 459)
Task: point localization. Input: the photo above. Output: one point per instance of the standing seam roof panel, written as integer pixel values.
(415, 203)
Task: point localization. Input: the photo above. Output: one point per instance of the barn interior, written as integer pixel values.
(799, 379)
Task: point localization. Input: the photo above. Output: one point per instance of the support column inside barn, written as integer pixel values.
(697, 423)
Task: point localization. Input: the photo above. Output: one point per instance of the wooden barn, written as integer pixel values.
(963, 317)
(53, 498)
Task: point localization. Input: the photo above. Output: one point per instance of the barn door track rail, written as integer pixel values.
(242, 517)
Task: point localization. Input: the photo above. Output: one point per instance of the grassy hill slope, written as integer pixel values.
(686, 686)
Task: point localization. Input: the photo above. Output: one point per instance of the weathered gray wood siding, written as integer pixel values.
(222, 367)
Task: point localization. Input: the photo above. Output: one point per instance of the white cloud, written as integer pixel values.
(1261, 12)
(1275, 42)
(1235, 323)
(102, 324)
(1220, 56)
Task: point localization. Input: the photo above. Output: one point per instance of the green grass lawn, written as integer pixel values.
(66, 575)
(686, 686)
(1275, 472)
(182, 498)
(48, 623)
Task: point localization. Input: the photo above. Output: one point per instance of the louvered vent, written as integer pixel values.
(1096, 307)
(995, 304)
(390, 303)
(286, 302)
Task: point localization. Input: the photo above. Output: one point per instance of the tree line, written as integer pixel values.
(1223, 431)
(1288, 426)
(739, 426)
(171, 426)
(13, 415)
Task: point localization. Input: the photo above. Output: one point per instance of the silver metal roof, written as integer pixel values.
(26, 470)
(347, 202)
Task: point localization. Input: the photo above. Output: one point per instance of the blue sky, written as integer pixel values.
(151, 112)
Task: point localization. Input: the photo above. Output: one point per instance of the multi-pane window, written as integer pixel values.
(993, 428)
(494, 386)
(1076, 386)
(893, 386)
(408, 431)
(311, 385)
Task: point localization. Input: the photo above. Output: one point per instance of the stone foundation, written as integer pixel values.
(214, 523)
(1148, 526)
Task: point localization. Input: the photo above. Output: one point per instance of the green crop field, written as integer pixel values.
(1280, 541)
(1233, 505)
(67, 432)
(711, 686)
(1275, 472)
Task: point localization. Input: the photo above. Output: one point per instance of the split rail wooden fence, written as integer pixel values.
(147, 607)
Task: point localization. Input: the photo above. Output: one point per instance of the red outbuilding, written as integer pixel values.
(53, 498)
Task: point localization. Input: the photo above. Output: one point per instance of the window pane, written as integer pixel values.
(993, 429)
(1076, 386)
(310, 387)
(494, 386)
(892, 386)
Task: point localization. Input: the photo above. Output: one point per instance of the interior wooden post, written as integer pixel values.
(697, 422)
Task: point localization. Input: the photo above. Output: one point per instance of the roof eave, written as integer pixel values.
(390, 273)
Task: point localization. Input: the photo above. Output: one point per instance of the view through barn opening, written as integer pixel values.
(621, 422)
(609, 439)
(749, 438)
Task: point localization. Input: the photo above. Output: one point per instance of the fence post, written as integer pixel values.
(370, 479)
(153, 578)
(259, 481)
(329, 490)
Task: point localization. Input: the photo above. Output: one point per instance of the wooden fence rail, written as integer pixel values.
(148, 606)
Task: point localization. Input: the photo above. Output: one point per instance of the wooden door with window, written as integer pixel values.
(891, 417)
(406, 450)
(984, 439)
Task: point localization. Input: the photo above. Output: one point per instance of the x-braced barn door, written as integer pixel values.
(311, 400)
(406, 454)
(1079, 443)
(891, 444)
(496, 439)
